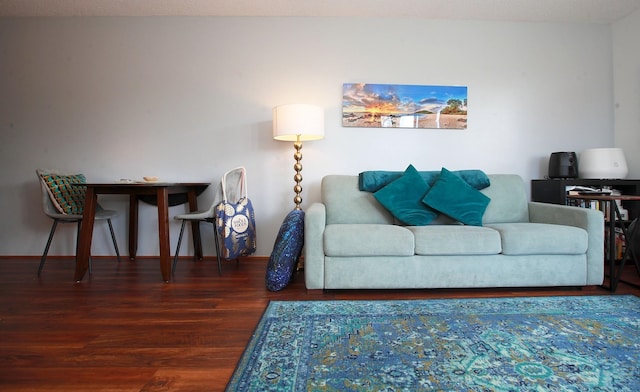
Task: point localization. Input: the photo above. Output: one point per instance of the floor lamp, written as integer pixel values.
(296, 123)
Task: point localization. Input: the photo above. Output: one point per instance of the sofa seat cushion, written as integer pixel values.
(541, 238)
(455, 240)
(367, 240)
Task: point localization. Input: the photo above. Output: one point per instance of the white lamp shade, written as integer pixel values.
(291, 121)
(608, 163)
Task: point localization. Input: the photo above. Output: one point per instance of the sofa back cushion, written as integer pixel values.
(509, 203)
(345, 203)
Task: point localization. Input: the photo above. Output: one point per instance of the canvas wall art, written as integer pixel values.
(404, 106)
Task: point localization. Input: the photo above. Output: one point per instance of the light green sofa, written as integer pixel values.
(351, 242)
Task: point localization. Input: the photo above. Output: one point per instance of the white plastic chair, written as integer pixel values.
(208, 216)
(52, 212)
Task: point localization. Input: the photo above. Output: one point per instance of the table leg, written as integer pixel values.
(86, 232)
(195, 225)
(133, 226)
(163, 232)
(628, 253)
(612, 245)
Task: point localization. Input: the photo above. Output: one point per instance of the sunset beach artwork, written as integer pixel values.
(404, 106)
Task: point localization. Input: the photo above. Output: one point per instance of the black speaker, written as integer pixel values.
(563, 165)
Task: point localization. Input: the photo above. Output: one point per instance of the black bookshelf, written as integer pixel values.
(554, 190)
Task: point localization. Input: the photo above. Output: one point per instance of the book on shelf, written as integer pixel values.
(587, 190)
(593, 204)
(620, 244)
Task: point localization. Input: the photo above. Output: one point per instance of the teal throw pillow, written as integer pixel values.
(403, 198)
(67, 199)
(452, 196)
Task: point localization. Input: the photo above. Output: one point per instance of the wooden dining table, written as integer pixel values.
(159, 193)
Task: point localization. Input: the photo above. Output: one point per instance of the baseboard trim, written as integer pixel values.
(186, 257)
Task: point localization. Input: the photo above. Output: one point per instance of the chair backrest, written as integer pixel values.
(47, 205)
(234, 184)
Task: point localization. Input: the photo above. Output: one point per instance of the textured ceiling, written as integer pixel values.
(566, 11)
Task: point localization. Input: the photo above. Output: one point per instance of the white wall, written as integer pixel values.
(626, 65)
(188, 98)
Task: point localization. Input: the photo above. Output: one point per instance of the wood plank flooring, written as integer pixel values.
(122, 329)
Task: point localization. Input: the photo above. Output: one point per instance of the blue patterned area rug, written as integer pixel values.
(589, 343)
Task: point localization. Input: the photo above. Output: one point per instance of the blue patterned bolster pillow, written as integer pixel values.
(286, 251)
(374, 180)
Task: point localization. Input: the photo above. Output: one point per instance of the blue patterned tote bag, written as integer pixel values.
(235, 219)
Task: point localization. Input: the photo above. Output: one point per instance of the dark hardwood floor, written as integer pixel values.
(122, 329)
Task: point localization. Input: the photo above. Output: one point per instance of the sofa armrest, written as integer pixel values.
(314, 224)
(590, 220)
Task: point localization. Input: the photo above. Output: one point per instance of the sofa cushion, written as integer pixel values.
(541, 238)
(403, 198)
(367, 240)
(455, 240)
(346, 204)
(457, 199)
(508, 200)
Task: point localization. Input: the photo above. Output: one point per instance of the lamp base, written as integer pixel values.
(298, 176)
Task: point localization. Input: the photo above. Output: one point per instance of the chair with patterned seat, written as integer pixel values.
(63, 203)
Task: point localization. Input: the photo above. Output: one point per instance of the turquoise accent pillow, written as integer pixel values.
(66, 198)
(452, 196)
(403, 198)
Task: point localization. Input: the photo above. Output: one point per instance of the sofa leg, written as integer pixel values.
(315, 291)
